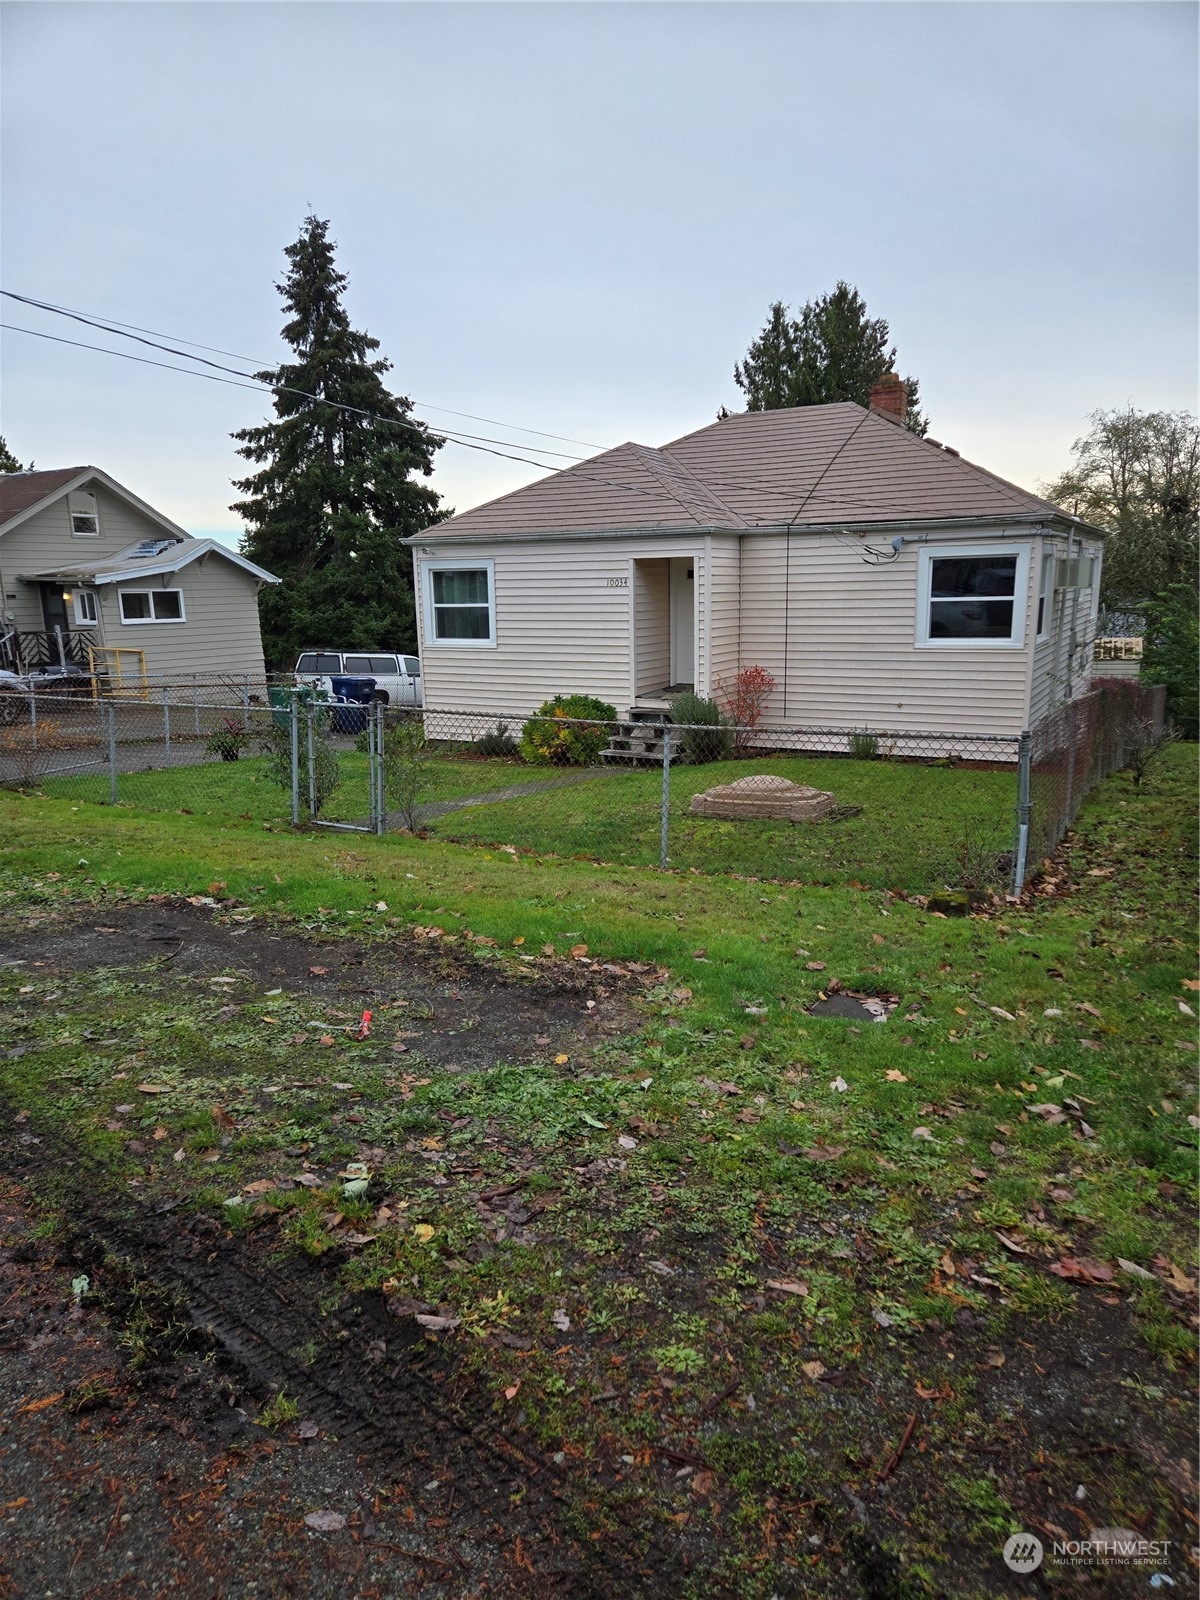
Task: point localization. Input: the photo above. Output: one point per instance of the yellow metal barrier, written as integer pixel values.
(122, 668)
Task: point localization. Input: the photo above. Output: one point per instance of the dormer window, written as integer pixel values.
(84, 513)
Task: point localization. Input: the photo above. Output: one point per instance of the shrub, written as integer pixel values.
(571, 730)
(405, 765)
(864, 745)
(497, 743)
(745, 701)
(1172, 654)
(705, 732)
(230, 739)
(326, 769)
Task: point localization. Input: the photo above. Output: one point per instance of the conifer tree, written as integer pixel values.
(831, 351)
(337, 484)
(9, 462)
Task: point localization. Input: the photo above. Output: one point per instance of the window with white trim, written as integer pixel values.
(86, 615)
(972, 596)
(84, 513)
(1045, 595)
(151, 605)
(459, 607)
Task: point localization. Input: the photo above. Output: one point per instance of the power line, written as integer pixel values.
(452, 437)
(468, 441)
(114, 325)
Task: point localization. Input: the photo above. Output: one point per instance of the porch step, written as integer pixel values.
(638, 738)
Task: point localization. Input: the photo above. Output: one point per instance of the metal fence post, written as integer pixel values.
(33, 718)
(112, 754)
(312, 768)
(1024, 811)
(196, 704)
(1070, 807)
(294, 725)
(246, 698)
(666, 799)
(379, 791)
(167, 723)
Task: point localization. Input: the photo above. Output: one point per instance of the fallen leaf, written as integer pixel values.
(813, 1369)
(894, 1075)
(1081, 1270)
(1191, 983)
(423, 1232)
(520, 939)
(840, 1085)
(787, 1286)
(222, 1118)
(317, 972)
(1084, 1005)
(1012, 1244)
(160, 1133)
(815, 966)
(999, 1011)
(513, 1389)
(1174, 1275)
(994, 1358)
(438, 1324)
(153, 1088)
(260, 1186)
(561, 1321)
(325, 1521)
(923, 1133)
(578, 950)
(626, 1141)
(933, 1394)
(308, 1430)
(561, 1060)
(1132, 1268)
(179, 1155)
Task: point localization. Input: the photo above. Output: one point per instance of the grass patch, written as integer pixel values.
(757, 1238)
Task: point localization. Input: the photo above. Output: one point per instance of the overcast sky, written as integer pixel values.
(574, 217)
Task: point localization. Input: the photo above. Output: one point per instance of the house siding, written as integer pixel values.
(221, 636)
(563, 615)
(839, 637)
(724, 574)
(220, 639)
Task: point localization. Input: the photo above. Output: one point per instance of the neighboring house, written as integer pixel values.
(881, 579)
(85, 563)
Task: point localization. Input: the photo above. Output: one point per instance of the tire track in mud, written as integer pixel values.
(260, 1318)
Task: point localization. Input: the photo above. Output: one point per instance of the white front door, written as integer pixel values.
(683, 620)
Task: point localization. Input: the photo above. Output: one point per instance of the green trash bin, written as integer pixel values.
(281, 699)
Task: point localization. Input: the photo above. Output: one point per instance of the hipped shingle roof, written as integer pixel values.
(805, 466)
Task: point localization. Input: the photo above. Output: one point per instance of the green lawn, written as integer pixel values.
(931, 1184)
(898, 824)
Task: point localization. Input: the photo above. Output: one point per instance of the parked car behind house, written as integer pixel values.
(397, 677)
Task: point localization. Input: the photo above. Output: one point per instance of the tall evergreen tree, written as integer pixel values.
(336, 489)
(831, 351)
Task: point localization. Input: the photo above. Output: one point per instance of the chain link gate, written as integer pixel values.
(336, 751)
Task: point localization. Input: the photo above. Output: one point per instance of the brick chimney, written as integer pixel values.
(889, 397)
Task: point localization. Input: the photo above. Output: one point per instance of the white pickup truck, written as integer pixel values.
(397, 677)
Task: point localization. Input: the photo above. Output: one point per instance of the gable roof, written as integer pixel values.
(803, 467)
(23, 494)
(135, 561)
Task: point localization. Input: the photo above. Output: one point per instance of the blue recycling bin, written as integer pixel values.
(351, 697)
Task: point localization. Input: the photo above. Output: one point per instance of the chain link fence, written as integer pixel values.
(1074, 747)
(921, 813)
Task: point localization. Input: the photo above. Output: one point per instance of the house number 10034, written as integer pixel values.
(617, 583)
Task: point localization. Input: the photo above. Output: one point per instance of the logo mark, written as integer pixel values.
(1023, 1552)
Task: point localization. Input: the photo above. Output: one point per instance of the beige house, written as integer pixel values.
(883, 581)
(94, 577)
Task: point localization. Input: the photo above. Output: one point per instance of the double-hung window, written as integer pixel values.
(85, 608)
(459, 603)
(972, 596)
(84, 513)
(152, 605)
